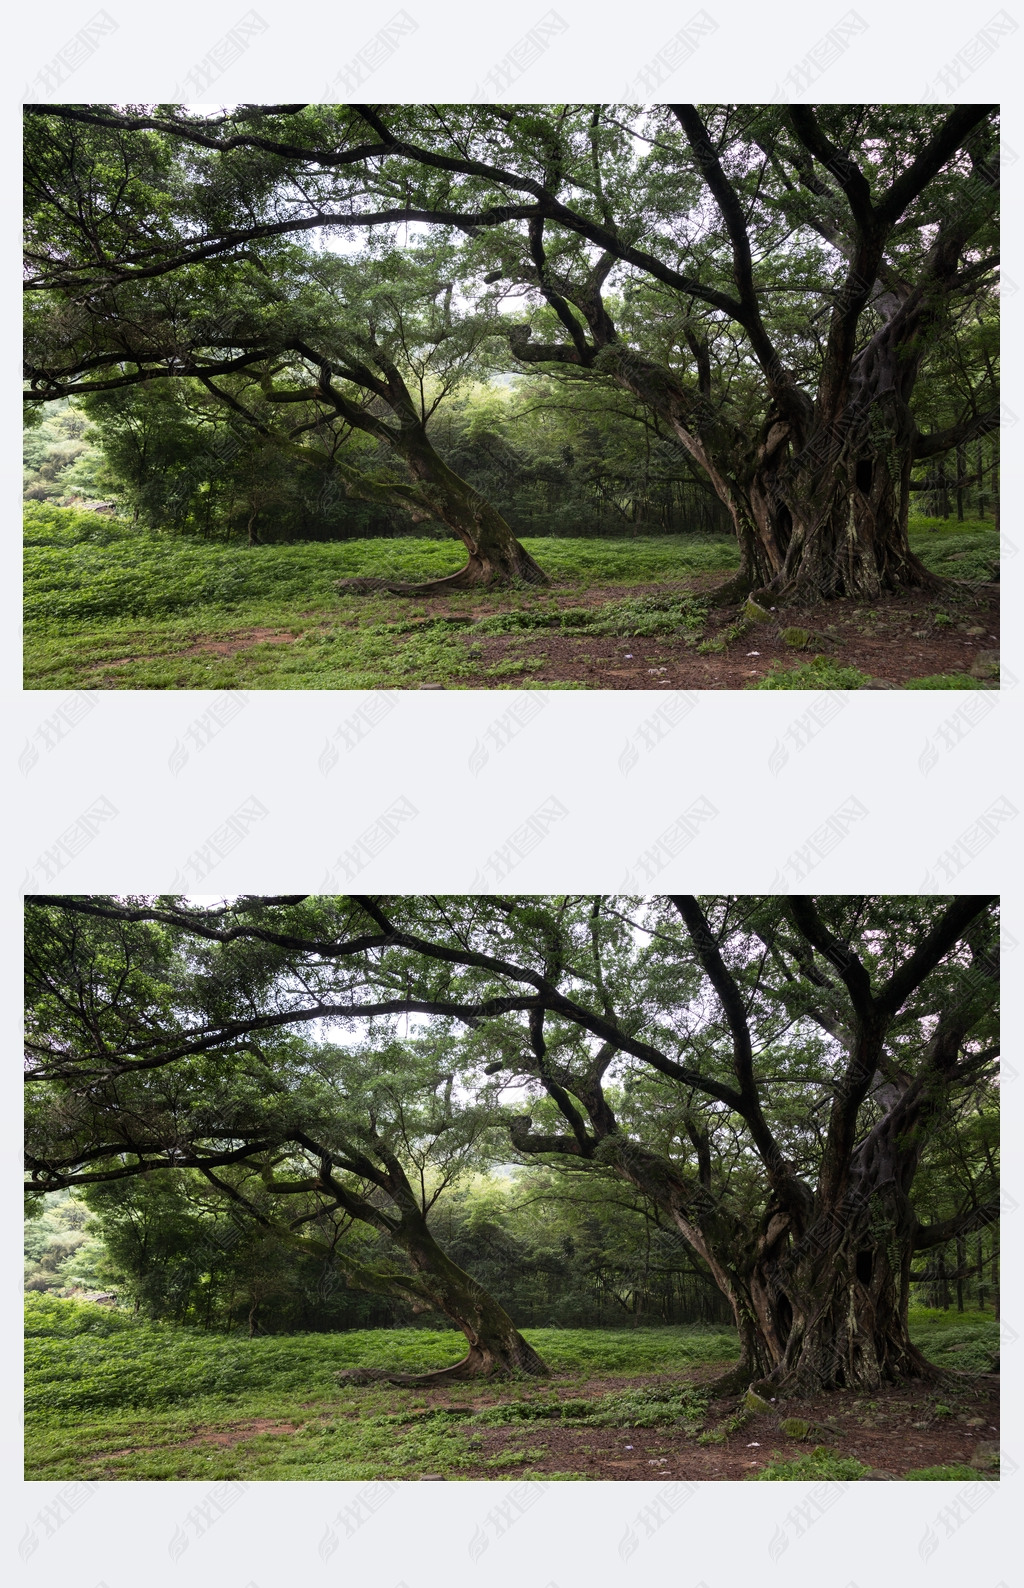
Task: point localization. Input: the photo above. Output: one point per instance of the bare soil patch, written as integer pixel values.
(240, 642)
(895, 1429)
(895, 640)
(233, 1434)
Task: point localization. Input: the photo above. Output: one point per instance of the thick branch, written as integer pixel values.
(969, 1218)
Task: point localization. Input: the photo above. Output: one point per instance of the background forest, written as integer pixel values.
(552, 1257)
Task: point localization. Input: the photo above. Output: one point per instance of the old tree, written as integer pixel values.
(771, 1073)
(771, 282)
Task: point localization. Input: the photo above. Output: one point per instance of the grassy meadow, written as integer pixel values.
(108, 606)
(112, 1397)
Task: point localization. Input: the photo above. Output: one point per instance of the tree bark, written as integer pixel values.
(831, 520)
(819, 1304)
(961, 470)
(961, 1260)
(496, 1348)
(831, 1309)
(819, 508)
(495, 555)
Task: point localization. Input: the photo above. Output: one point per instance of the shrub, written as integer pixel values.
(50, 1317)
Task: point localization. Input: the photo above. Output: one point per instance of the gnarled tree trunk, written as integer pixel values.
(831, 1313)
(816, 1308)
(819, 505)
(495, 555)
(830, 518)
(496, 1348)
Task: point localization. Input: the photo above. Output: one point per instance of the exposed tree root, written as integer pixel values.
(808, 587)
(476, 1364)
(735, 589)
(478, 574)
(733, 1382)
(359, 586)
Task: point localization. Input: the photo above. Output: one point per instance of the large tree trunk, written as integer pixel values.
(843, 1326)
(832, 520)
(829, 1311)
(815, 1309)
(819, 506)
(496, 1348)
(495, 555)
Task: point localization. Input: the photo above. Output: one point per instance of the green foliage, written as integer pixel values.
(99, 592)
(62, 1248)
(177, 1257)
(953, 1472)
(61, 455)
(947, 534)
(635, 617)
(46, 524)
(810, 1468)
(731, 1425)
(156, 1365)
(722, 641)
(820, 673)
(967, 551)
(945, 681)
(111, 1396)
(574, 461)
(552, 1256)
(82, 1358)
(964, 1342)
(63, 1318)
(80, 569)
(647, 1407)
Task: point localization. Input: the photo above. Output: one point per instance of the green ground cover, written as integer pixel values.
(109, 1396)
(107, 606)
